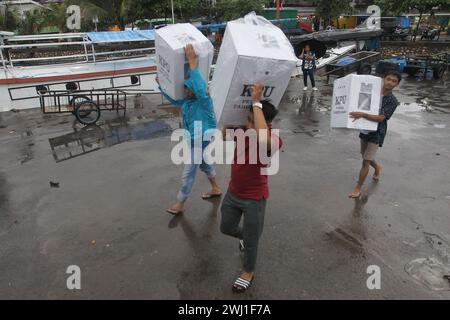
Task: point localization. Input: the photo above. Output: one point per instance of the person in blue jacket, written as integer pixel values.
(195, 107)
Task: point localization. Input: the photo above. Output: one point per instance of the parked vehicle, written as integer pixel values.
(427, 67)
(429, 33)
(396, 34)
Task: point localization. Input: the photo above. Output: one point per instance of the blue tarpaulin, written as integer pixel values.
(345, 61)
(400, 61)
(404, 22)
(120, 36)
(212, 27)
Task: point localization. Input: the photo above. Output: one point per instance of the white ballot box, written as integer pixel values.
(356, 93)
(171, 62)
(252, 50)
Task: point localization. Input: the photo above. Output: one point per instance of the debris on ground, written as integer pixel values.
(54, 184)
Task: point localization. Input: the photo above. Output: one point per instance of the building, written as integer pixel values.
(20, 6)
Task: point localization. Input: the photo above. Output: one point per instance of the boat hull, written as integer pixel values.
(18, 85)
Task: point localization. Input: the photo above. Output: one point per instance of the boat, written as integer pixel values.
(333, 36)
(33, 64)
(331, 55)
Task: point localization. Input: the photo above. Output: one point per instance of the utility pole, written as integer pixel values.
(173, 15)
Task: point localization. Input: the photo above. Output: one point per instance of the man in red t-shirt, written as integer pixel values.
(248, 189)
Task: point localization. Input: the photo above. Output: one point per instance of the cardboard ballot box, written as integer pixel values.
(356, 93)
(171, 62)
(252, 50)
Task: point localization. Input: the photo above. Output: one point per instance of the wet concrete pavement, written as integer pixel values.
(116, 179)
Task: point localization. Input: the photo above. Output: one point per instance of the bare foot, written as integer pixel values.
(177, 208)
(377, 173)
(355, 194)
(247, 275)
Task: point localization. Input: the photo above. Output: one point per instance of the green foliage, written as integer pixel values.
(10, 21)
(389, 7)
(31, 22)
(333, 8)
(227, 10)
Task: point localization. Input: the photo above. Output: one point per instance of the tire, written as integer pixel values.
(87, 112)
(76, 100)
(365, 69)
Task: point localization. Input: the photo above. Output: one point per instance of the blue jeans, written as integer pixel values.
(189, 172)
(310, 73)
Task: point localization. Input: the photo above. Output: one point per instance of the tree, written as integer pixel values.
(227, 10)
(113, 10)
(10, 20)
(31, 22)
(57, 16)
(122, 12)
(405, 6)
(184, 10)
(331, 9)
(88, 12)
(391, 8)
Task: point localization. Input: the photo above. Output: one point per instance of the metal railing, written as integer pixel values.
(90, 54)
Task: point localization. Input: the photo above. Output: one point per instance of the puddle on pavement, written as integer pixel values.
(93, 138)
(435, 92)
(3, 195)
(26, 144)
(412, 108)
(311, 102)
(431, 272)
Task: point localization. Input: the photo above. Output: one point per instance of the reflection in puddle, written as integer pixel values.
(431, 272)
(311, 102)
(25, 146)
(434, 271)
(411, 108)
(92, 138)
(352, 233)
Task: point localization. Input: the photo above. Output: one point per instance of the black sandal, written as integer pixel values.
(241, 285)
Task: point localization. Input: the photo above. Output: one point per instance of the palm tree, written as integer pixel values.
(113, 10)
(57, 16)
(32, 22)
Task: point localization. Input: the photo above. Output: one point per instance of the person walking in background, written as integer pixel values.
(308, 67)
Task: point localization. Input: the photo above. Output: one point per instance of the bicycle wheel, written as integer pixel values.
(76, 100)
(87, 112)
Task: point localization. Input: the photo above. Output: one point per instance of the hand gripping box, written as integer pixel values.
(356, 93)
(171, 62)
(252, 50)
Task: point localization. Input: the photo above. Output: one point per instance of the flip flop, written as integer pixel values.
(208, 195)
(174, 212)
(241, 285)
